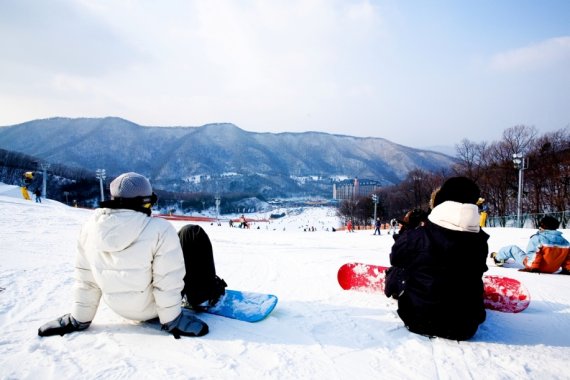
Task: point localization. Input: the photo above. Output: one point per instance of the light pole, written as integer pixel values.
(375, 200)
(520, 164)
(44, 167)
(101, 177)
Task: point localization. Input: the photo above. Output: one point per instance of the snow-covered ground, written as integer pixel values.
(317, 330)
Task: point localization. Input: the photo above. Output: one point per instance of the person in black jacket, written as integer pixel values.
(437, 269)
(413, 219)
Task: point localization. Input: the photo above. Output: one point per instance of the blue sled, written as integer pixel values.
(244, 306)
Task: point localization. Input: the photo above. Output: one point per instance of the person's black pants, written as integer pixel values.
(200, 282)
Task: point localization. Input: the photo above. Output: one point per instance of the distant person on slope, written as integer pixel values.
(413, 219)
(393, 226)
(137, 264)
(439, 267)
(377, 226)
(243, 222)
(349, 226)
(483, 210)
(547, 250)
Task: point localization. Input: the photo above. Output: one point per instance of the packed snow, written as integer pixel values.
(317, 330)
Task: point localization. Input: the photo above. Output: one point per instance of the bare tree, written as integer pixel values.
(471, 158)
(490, 165)
(518, 139)
(547, 177)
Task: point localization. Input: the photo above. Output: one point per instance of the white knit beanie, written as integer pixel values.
(130, 185)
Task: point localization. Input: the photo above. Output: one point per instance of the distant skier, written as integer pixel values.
(377, 225)
(27, 180)
(483, 210)
(243, 222)
(393, 226)
(38, 195)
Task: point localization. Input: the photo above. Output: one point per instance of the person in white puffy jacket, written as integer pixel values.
(133, 262)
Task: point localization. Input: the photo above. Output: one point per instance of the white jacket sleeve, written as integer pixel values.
(168, 275)
(86, 292)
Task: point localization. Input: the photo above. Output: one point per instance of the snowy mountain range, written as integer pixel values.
(218, 157)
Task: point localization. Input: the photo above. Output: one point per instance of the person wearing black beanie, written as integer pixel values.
(439, 266)
(458, 189)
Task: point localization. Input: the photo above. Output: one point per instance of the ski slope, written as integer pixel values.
(317, 331)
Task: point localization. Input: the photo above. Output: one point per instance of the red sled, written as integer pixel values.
(502, 294)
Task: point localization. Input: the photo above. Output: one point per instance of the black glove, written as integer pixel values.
(61, 326)
(186, 324)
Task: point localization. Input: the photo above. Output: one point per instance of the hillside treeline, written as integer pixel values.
(76, 186)
(65, 184)
(546, 178)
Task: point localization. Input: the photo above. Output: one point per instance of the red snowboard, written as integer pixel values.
(501, 293)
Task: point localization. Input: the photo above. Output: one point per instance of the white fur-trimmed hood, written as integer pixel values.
(456, 216)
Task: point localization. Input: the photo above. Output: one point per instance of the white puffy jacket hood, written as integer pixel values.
(117, 229)
(134, 262)
(456, 216)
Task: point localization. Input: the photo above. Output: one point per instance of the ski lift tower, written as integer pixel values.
(101, 175)
(44, 167)
(217, 207)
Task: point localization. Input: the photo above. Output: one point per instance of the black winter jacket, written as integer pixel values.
(439, 270)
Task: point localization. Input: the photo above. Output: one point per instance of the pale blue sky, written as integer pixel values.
(419, 73)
